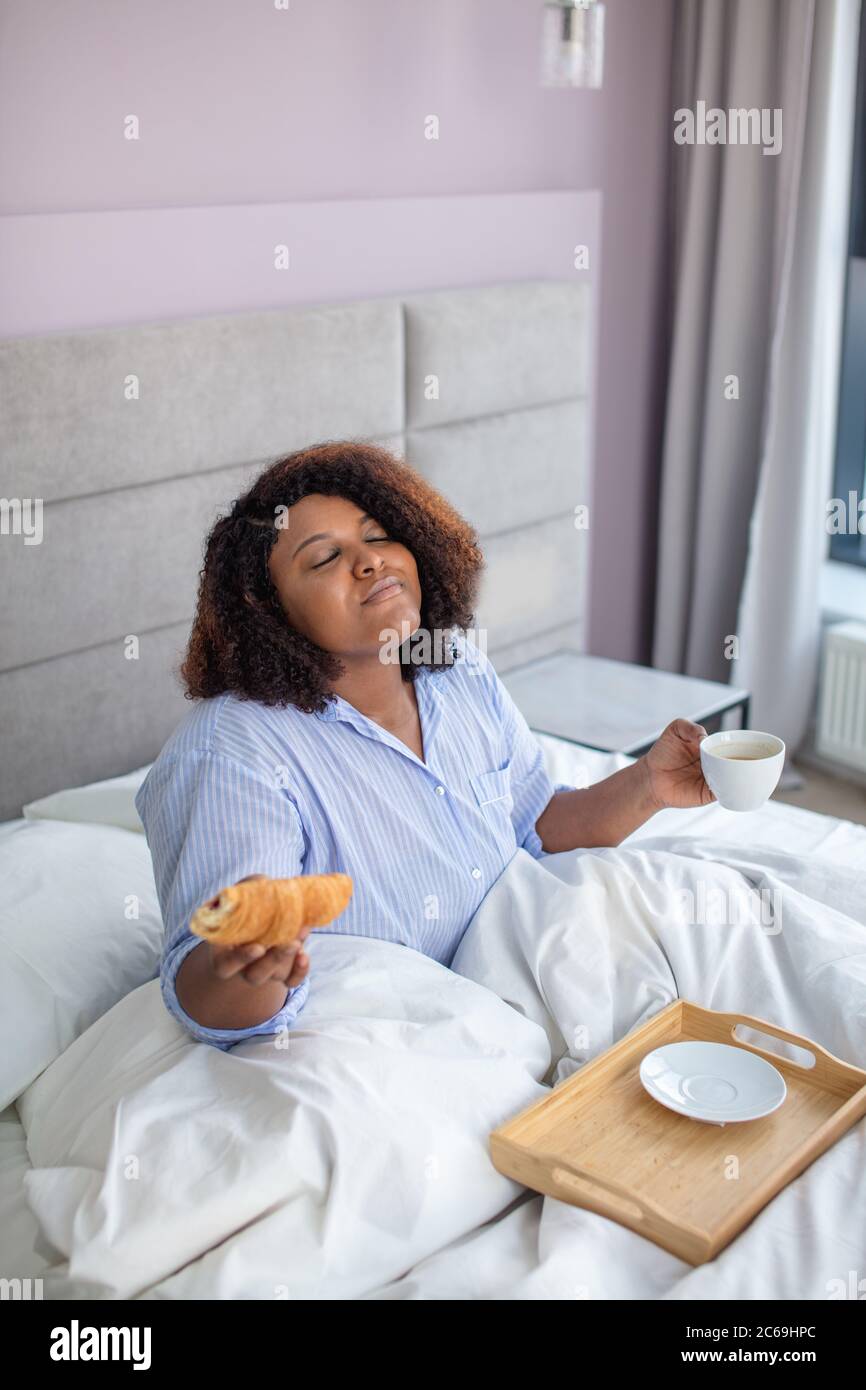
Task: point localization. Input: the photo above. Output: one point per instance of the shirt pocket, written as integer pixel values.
(493, 793)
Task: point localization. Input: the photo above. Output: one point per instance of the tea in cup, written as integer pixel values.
(742, 767)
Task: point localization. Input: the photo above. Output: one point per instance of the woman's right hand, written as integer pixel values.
(257, 964)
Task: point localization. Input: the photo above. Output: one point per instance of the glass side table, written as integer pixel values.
(613, 706)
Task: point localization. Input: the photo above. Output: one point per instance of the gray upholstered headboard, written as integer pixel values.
(131, 440)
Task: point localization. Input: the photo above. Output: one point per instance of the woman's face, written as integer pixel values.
(326, 559)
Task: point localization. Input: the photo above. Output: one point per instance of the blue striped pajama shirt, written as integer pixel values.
(243, 788)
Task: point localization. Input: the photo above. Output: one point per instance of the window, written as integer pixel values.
(850, 471)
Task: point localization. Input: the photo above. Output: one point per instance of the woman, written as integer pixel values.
(335, 731)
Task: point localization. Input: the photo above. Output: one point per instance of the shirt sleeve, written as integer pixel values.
(211, 821)
(531, 786)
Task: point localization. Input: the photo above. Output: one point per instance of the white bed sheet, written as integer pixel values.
(505, 1252)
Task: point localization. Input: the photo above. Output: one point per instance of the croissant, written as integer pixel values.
(271, 911)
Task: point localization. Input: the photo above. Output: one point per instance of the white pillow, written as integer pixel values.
(579, 766)
(111, 802)
(71, 944)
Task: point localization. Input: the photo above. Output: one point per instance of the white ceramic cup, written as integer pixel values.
(742, 783)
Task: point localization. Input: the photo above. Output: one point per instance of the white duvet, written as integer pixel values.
(354, 1162)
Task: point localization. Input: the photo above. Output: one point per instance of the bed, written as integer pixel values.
(352, 1162)
(95, 1223)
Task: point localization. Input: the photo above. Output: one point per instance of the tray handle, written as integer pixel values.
(825, 1062)
(608, 1198)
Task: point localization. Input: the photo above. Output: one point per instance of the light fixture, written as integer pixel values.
(572, 43)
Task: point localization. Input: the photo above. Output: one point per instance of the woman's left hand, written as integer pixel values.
(673, 766)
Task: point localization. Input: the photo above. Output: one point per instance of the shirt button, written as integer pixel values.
(476, 873)
(440, 791)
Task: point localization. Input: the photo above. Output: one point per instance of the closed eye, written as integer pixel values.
(336, 552)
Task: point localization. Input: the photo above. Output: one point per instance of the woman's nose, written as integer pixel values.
(367, 563)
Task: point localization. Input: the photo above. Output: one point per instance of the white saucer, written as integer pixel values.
(713, 1082)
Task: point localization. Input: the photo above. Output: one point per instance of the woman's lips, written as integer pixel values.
(388, 592)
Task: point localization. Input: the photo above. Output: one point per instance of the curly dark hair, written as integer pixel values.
(241, 640)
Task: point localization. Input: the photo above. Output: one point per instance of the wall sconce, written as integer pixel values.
(572, 43)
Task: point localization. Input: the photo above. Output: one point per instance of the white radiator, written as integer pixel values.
(841, 731)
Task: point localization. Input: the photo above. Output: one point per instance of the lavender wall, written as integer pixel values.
(261, 125)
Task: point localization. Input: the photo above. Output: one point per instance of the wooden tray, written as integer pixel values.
(599, 1141)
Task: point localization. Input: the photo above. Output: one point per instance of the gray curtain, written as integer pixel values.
(757, 277)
